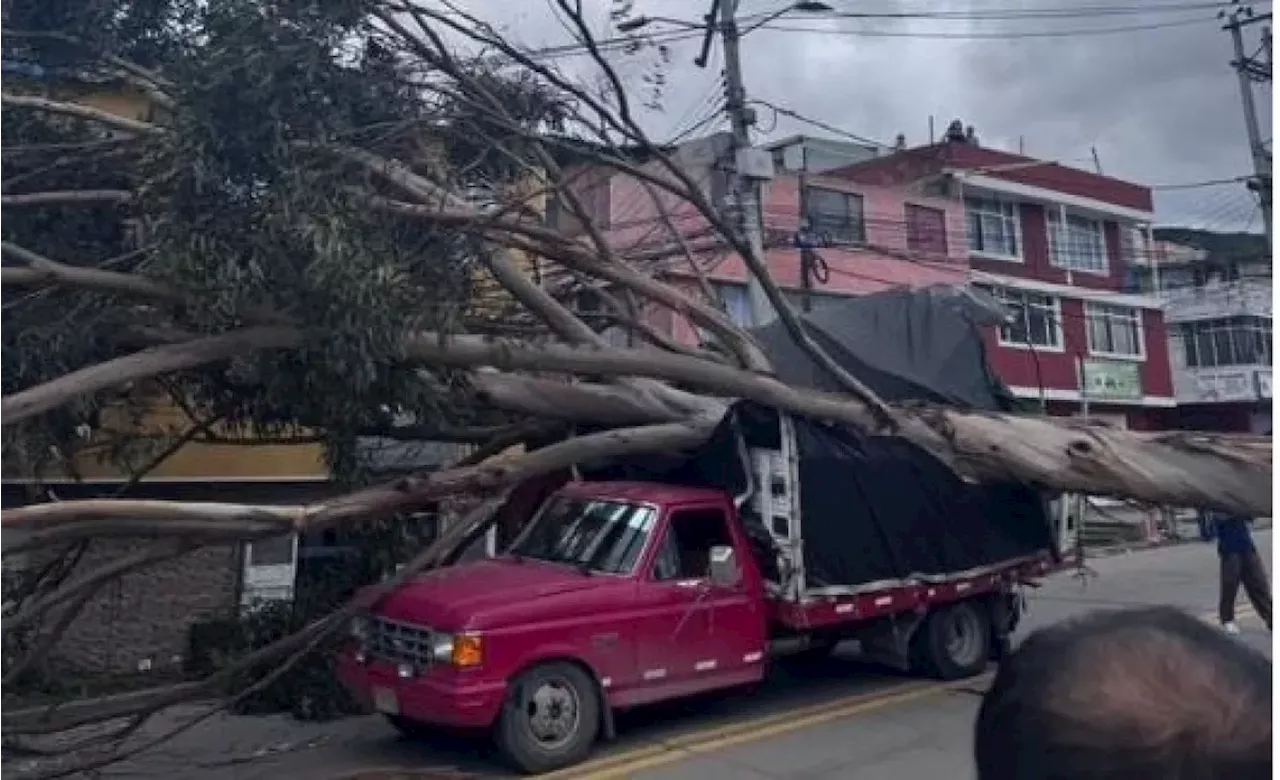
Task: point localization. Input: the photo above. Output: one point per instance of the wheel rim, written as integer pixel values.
(553, 712)
(963, 637)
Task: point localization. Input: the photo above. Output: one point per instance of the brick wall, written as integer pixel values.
(144, 616)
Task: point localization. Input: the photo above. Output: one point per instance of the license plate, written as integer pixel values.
(384, 701)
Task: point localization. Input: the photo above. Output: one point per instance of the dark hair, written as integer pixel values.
(1127, 695)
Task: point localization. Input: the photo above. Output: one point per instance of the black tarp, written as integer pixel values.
(905, 345)
(880, 509)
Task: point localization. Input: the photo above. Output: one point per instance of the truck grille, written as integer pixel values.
(400, 643)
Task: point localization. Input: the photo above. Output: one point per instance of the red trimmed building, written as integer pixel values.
(1057, 244)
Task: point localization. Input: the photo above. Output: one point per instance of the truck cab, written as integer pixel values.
(614, 595)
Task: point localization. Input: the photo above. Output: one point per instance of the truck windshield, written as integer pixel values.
(592, 534)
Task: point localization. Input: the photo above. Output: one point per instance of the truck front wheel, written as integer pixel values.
(954, 642)
(551, 718)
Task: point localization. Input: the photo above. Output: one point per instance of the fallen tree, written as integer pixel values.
(330, 273)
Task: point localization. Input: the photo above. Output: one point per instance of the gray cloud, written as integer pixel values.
(1160, 106)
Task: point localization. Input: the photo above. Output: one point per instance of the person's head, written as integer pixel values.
(1131, 694)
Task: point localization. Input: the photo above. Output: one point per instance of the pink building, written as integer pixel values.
(1052, 242)
(873, 237)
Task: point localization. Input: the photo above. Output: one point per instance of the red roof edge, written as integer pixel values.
(910, 165)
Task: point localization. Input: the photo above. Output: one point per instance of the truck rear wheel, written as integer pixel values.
(551, 718)
(954, 642)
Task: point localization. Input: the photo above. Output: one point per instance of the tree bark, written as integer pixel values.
(1062, 454)
(166, 517)
(23, 404)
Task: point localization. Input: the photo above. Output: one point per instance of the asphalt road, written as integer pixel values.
(839, 718)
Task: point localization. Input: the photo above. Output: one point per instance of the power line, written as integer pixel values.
(607, 45)
(1010, 14)
(1010, 35)
(1199, 184)
(818, 123)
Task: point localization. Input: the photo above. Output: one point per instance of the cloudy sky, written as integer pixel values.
(1153, 94)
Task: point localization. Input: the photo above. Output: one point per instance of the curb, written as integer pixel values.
(1130, 547)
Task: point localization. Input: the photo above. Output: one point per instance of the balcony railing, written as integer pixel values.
(1219, 299)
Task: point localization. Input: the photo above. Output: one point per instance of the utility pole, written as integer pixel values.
(1249, 69)
(746, 189)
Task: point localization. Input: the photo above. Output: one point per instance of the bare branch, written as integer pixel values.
(140, 365)
(1048, 452)
(401, 495)
(66, 198)
(79, 111)
(703, 283)
(42, 270)
(128, 66)
(91, 582)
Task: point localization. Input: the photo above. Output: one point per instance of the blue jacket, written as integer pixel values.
(1233, 533)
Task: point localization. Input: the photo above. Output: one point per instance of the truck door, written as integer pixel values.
(696, 636)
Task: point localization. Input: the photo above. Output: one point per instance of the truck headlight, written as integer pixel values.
(460, 650)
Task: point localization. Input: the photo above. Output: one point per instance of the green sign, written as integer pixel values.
(1105, 379)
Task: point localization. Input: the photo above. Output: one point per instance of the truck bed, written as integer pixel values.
(875, 600)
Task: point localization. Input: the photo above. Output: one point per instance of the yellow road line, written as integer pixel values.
(685, 746)
(710, 740)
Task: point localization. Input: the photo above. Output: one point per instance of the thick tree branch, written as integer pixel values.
(66, 198)
(405, 493)
(556, 247)
(23, 404)
(79, 111)
(43, 270)
(1050, 453)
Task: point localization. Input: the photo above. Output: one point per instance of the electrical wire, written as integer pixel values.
(695, 30)
(1022, 10)
(1010, 14)
(1009, 35)
(1200, 184)
(787, 112)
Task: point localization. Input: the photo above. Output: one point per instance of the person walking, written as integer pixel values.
(1240, 564)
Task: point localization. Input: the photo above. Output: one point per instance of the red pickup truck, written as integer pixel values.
(618, 594)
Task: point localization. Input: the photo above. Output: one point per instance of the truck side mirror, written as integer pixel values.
(723, 571)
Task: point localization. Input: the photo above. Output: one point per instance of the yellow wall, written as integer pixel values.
(193, 461)
(128, 104)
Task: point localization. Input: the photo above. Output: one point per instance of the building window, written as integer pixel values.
(735, 302)
(1076, 243)
(1115, 331)
(926, 230)
(1034, 320)
(993, 228)
(1228, 341)
(835, 217)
